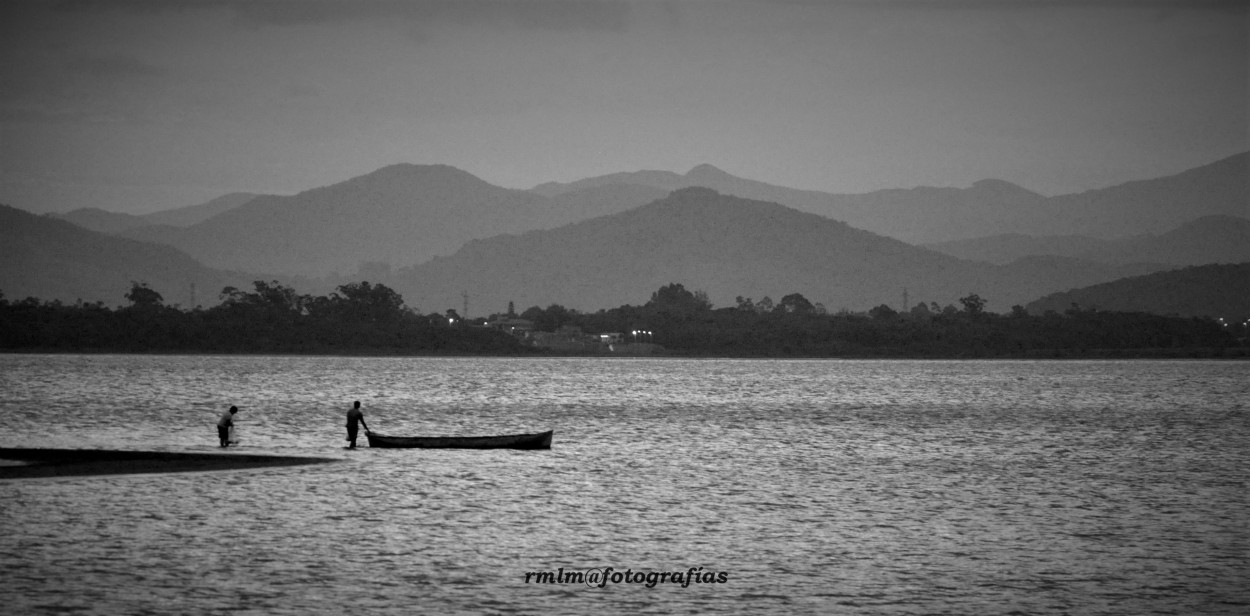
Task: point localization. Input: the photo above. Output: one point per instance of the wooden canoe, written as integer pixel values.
(541, 440)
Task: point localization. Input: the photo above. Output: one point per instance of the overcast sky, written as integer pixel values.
(139, 106)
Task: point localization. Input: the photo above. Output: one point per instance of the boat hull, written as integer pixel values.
(540, 440)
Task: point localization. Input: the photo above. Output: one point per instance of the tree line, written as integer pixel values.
(364, 318)
(359, 318)
(685, 323)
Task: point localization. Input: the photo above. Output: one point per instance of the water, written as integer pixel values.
(816, 487)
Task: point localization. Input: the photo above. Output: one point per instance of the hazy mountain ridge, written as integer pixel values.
(1008, 247)
(410, 215)
(926, 215)
(909, 214)
(725, 246)
(52, 259)
(663, 180)
(1198, 291)
(1207, 240)
(406, 214)
(399, 215)
(1210, 239)
(1156, 205)
(596, 201)
(104, 221)
(194, 214)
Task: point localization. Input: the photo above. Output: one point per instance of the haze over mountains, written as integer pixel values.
(1200, 291)
(434, 232)
(399, 215)
(404, 215)
(926, 215)
(727, 247)
(116, 222)
(53, 259)
(1210, 239)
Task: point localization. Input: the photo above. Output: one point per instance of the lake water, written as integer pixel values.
(815, 487)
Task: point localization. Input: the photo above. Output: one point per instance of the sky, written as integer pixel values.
(139, 106)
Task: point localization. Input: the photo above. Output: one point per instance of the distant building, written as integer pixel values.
(516, 327)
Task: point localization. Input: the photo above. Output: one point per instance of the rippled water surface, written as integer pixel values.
(817, 487)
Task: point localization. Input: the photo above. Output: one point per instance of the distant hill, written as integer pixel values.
(52, 259)
(1005, 248)
(439, 218)
(1152, 206)
(927, 215)
(725, 246)
(1201, 291)
(399, 215)
(114, 222)
(1207, 240)
(912, 215)
(1210, 239)
(194, 214)
(404, 215)
(596, 201)
(102, 221)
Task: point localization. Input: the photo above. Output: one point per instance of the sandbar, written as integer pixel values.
(77, 462)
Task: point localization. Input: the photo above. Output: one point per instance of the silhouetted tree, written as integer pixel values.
(551, 319)
(973, 304)
(141, 296)
(882, 312)
(796, 303)
(675, 298)
(361, 301)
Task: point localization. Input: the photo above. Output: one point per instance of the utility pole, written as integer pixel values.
(465, 296)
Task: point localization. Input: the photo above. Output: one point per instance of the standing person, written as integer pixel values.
(224, 424)
(353, 416)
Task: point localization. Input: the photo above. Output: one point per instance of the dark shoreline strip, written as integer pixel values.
(79, 462)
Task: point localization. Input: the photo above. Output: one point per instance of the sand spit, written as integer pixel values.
(27, 463)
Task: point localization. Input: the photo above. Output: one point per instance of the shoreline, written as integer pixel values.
(35, 463)
(1238, 353)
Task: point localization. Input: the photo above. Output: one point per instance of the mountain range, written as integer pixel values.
(105, 221)
(1209, 239)
(435, 233)
(727, 247)
(1201, 291)
(404, 215)
(51, 259)
(927, 215)
(398, 215)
